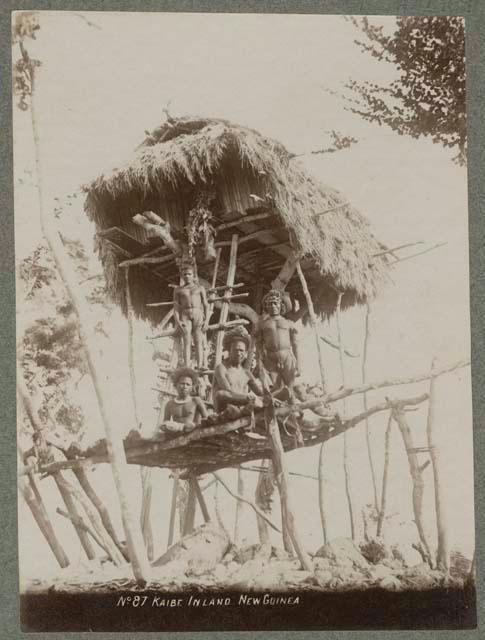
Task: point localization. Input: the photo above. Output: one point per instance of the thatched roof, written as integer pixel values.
(183, 156)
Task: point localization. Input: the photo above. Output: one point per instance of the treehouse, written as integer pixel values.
(250, 219)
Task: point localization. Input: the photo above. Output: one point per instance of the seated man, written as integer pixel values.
(232, 383)
(184, 413)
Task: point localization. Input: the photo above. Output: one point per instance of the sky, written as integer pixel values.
(106, 78)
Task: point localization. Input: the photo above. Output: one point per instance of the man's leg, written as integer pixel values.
(187, 339)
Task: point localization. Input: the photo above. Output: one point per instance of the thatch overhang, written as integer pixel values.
(258, 190)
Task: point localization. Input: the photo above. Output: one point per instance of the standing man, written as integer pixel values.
(232, 383)
(277, 345)
(191, 313)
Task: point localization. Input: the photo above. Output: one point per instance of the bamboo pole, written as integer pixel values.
(115, 447)
(231, 275)
(364, 397)
(417, 480)
(443, 552)
(313, 321)
(42, 519)
(348, 489)
(385, 476)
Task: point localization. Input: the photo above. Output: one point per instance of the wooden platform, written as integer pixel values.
(207, 448)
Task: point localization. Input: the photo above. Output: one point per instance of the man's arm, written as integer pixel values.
(294, 344)
(201, 410)
(205, 304)
(167, 414)
(254, 385)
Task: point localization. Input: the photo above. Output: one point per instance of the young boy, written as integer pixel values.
(184, 413)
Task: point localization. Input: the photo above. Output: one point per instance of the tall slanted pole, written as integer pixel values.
(348, 489)
(314, 323)
(231, 276)
(34, 501)
(173, 509)
(364, 398)
(116, 452)
(282, 480)
(145, 472)
(443, 552)
(385, 476)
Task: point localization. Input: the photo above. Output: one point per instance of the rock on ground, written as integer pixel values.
(343, 552)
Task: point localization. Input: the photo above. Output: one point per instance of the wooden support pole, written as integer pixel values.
(74, 515)
(200, 499)
(367, 423)
(88, 489)
(321, 492)
(443, 551)
(231, 275)
(261, 483)
(313, 321)
(348, 489)
(173, 509)
(239, 504)
(189, 519)
(385, 477)
(41, 517)
(282, 480)
(417, 480)
(243, 499)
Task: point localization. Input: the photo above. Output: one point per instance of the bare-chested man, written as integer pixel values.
(277, 344)
(191, 313)
(184, 412)
(232, 383)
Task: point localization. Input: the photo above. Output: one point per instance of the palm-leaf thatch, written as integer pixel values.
(243, 172)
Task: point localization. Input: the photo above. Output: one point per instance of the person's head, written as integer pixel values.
(238, 351)
(236, 342)
(185, 381)
(273, 303)
(187, 272)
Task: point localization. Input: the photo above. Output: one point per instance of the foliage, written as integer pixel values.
(24, 27)
(428, 97)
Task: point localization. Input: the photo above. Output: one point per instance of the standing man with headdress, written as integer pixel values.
(277, 344)
(233, 384)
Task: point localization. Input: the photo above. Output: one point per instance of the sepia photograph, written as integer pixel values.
(243, 322)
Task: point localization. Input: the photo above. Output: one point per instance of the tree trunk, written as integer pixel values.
(173, 509)
(443, 552)
(39, 512)
(262, 504)
(367, 424)
(281, 475)
(348, 489)
(385, 476)
(189, 519)
(417, 479)
(116, 452)
(321, 493)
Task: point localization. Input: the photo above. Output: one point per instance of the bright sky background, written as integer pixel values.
(101, 86)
